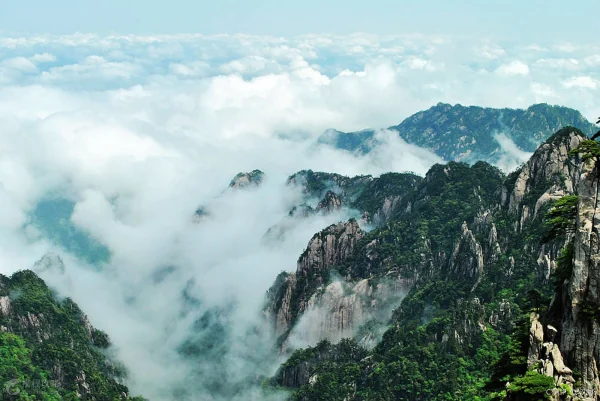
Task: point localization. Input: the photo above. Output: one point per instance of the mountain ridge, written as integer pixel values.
(468, 133)
(475, 271)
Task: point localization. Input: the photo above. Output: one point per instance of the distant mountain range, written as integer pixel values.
(469, 133)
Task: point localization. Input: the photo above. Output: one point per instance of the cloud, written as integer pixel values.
(96, 67)
(20, 64)
(197, 69)
(582, 82)
(562, 63)
(513, 68)
(492, 51)
(43, 58)
(137, 131)
(511, 157)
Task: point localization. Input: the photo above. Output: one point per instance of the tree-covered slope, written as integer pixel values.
(49, 350)
(374, 197)
(468, 242)
(467, 133)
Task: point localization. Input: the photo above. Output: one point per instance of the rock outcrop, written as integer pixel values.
(467, 258)
(245, 180)
(548, 175)
(337, 310)
(579, 299)
(50, 262)
(330, 202)
(545, 357)
(293, 293)
(330, 247)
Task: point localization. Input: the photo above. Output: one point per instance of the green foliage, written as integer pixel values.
(513, 362)
(317, 184)
(587, 149)
(386, 185)
(351, 141)
(589, 310)
(561, 219)
(50, 336)
(566, 388)
(449, 195)
(532, 386)
(19, 376)
(444, 342)
(564, 265)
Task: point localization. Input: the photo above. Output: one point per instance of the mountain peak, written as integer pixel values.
(243, 180)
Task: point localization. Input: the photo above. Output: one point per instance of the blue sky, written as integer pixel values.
(532, 19)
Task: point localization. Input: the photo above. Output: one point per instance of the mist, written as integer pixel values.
(181, 299)
(111, 144)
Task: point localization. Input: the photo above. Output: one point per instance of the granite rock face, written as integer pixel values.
(330, 247)
(545, 357)
(293, 292)
(580, 297)
(548, 175)
(337, 310)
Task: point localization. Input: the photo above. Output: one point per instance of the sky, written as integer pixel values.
(549, 20)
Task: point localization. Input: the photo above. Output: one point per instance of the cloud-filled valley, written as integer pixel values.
(136, 132)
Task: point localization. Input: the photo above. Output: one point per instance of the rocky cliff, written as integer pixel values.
(549, 175)
(308, 289)
(465, 245)
(578, 298)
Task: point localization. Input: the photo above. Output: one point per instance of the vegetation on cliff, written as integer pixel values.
(484, 250)
(49, 350)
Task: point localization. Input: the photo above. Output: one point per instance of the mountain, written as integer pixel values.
(243, 180)
(461, 133)
(49, 350)
(465, 284)
(373, 196)
(469, 263)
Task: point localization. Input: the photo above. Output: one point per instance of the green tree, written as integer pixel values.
(589, 149)
(561, 219)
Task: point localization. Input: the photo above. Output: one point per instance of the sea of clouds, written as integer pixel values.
(136, 132)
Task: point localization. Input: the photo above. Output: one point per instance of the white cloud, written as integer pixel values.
(140, 130)
(92, 67)
(511, 156)
(20, 64)
(492, 51)
(593, 60)
(513, 68)
(249, 66)
(43, 58)
(195, 69)
(416, 63)
(543, 91)
(562, 63)
(582, 82)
